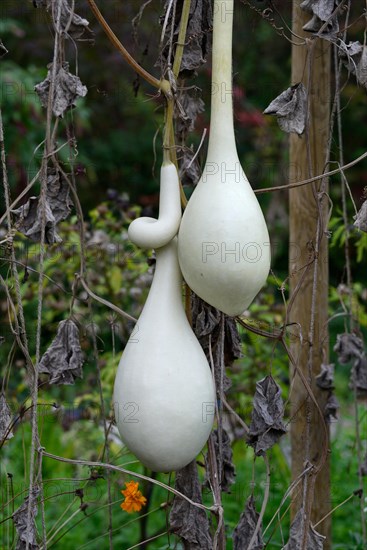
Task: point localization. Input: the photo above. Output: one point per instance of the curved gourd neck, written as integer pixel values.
(221, 137)
(166, 289)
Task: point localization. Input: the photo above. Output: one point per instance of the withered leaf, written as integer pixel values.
(5, 419)
(72, 24)
(67, 89)
(223, 453)
(189, 171)
(57, 208)
(325, 380)
(29, 221)
(315, 541)
(322, 8)
(245, 528)
(190, 106)
(20, 521)
(361, 218)
(198, 29)
(331, 408)
(349, 347)
(315, 24)
(189, 522)
(290, 108)
(64, 359)
(354, 57)
(266, 426)
(207, 326)
(359, 375)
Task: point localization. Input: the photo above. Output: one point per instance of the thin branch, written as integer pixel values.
(311, 180)
(105, 302)
(162, 85)
(129, 473)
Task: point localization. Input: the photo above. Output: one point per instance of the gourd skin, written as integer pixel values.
(223, 241)
(225, 254)
(164, 393)
(151, 233)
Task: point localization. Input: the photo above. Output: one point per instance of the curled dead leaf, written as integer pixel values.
(315, 541)
(354, 57)
(245, 528)
(198, 29)
(325, 379)
(266, 426)
(331, 408)
(67, 89)
(361, 218)
(350, 349)
(290, 108)
(189, 522)
(64, 358)
(223, 453)
(27, 534)
(57, 208)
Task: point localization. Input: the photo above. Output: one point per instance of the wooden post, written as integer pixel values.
(308, 436)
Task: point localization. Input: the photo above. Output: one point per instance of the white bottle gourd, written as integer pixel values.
(223, 241)
(164, 392)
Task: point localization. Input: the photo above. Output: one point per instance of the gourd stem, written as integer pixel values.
(221, 119)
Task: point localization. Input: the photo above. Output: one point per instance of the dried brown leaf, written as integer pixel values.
(190, 106)
(223, 453)
(361, 218)
(245, 528)
(266, 426)
(64, 358)
(331, 408)
(5, 419)
(354, 57)
(206, 323)
(322, 8)
(186, 521)
(67, 89)
(315, 541)
(359, 376)
(315, 24)
(20, 517)
(350, 349)
(189, 171)
(198, 29)
(57, 208)
(71, 23)
(290, 108)
(325, 380)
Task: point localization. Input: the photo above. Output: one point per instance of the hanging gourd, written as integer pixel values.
(164, 393)
(223, 241)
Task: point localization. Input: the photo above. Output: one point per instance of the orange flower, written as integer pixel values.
(134, 500)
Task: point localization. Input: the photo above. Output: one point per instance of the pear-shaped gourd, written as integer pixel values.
(223, 241)
(164, 395)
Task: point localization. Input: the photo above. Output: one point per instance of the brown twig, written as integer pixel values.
(162, 85)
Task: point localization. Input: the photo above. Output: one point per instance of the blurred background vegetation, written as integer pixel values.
(118, 127)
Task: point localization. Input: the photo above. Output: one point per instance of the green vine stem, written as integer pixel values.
(169, 151)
